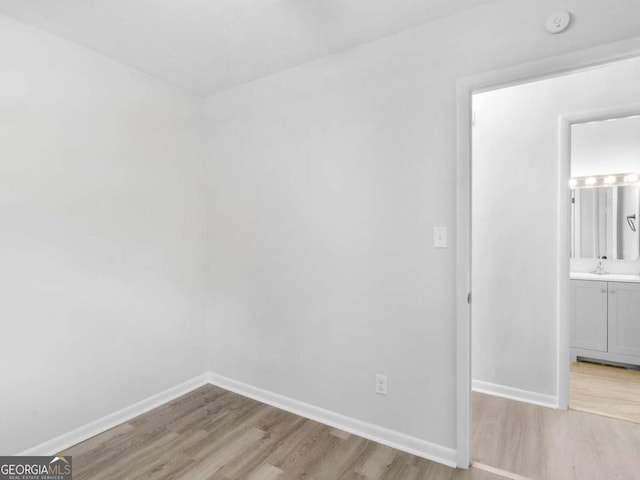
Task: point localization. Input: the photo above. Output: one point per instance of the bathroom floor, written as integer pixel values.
(605, 390)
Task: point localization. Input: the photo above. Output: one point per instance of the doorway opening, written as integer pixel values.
(604, 293)
(520, 230)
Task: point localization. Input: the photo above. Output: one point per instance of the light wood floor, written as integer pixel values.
(211, 433)
(605, 390)
(547, 444)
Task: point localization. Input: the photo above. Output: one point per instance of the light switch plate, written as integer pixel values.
(440, 237)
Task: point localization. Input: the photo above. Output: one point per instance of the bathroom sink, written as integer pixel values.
(605, 277)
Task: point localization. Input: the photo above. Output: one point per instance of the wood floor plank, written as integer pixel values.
(148, 428)
(228, 432)
(308, 454)
(285, 451)
(214, 434)
(401, 470)
(277, 425)
(118, 449)
(509, 435)
(265, 472)
(208, 466)
(136, 461)
(405, 465)
(341, 460)
(340, 433)
(359, 459)
(543, 443)
(97, 442)
(313, 460)
(378, 462)
(163, 461)
(210, 409)
(605, 390)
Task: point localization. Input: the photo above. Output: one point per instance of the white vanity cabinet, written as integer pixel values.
(605, 321)
(624, 318)
(589, 315)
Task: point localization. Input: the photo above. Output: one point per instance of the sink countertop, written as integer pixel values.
(606, 277)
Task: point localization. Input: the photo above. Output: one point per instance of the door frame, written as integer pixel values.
(466, 87)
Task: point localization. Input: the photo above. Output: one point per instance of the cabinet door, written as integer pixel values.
(589, 315)
(624, 318)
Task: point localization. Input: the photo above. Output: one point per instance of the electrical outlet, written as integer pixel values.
(381, 384)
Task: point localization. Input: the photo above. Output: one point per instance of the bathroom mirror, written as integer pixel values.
(604, 222)
(605, 212)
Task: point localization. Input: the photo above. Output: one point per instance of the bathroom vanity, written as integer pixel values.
(605, 317)
(605, 236)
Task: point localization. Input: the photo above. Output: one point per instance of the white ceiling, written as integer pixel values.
(208, 45)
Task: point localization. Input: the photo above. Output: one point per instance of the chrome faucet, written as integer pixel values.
(599, 268)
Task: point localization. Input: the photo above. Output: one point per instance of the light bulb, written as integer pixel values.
(610, 179)
(632, 177)
(573, 182)
(590, 181)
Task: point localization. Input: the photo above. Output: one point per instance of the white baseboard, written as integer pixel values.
(511, 393)
(103, 424)
(376, 433)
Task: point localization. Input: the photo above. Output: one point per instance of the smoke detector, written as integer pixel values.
(558, 22)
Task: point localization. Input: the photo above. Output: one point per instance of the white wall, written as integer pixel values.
(515, 220)
(325, 183)
(102, 263)
(606, 147)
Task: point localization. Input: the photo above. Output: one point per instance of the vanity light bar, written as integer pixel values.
(611, 180)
